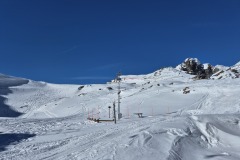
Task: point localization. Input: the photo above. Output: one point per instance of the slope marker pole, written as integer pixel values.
(98, 113)
(92, 113)
(114, 113)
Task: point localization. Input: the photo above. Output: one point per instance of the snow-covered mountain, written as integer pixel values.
(183, 117)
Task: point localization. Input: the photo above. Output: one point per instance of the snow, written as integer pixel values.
(222, 67)
(205, 65)
(237, 64)
(202, 124)
(193, 59)
(179, 67)
(237, 67)
(224, 73)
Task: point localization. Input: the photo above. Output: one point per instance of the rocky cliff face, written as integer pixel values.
(206, 71)
(193, 66)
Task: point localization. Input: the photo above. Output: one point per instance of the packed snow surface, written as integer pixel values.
(183, 119)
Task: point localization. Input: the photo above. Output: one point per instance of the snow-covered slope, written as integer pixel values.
(183, 118)
(237, 67)
(224, 73)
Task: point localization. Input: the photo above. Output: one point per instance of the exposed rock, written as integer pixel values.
(235, 71)
(80, 88)
(224, 74)
(186, 90)
(82, 94)
(193, 66)
(215, 70)
(109, 88)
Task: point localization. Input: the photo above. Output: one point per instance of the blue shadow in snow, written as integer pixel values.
(12, 138)
(5, 83)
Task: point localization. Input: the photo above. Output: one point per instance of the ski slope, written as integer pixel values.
(202, 124)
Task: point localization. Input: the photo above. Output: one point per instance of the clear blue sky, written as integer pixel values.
(89, 41)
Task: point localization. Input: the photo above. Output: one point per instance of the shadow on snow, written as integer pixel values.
(5, 83)
(12, 138)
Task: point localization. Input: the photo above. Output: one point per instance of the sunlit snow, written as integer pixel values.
(202, 124)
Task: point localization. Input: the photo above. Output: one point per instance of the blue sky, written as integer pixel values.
(89, 41)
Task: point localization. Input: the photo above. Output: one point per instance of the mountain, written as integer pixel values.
(184, 116)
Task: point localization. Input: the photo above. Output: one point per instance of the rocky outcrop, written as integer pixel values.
(186, 90)
(206, 71)
(80, 88)
(193, 66)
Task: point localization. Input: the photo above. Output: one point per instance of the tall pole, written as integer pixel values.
(114, 113)
(109, 107)
(119, 91)
(92, 113)
(119, 97)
